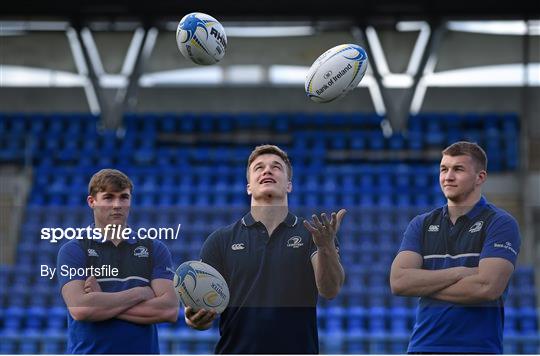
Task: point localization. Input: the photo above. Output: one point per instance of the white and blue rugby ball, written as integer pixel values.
(201, 286)
(336, 72)
(201, 38)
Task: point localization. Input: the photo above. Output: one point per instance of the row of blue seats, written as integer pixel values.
(148, 125)
(74, 123)
(215, 189)
(66, 148)
(335, 318)
(353, 248)
(378, 168)
(103, 150)
(498, 160)
(360, 218)
(369, 217)
(359, 255)
(182, 343)
(351, 296)
(363, 175)
(343, 186)
(327, 200)
(469, 120)
(215, 122)
(367, 297)
(88, 142)
(253, 121)
(357, 291)
(188, 232)
(359, 273)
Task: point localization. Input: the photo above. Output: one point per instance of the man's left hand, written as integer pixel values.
(323, 231)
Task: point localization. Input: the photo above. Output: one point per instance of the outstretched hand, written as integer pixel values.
(323, 231)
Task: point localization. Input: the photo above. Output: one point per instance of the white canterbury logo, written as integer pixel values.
(433, 228)
(237, 247)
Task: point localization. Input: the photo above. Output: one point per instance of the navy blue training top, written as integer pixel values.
(273, 294)
(485, 231)
(131, 257)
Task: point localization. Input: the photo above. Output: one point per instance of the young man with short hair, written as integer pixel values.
(116, 314)
(458, 259)
(275, 265)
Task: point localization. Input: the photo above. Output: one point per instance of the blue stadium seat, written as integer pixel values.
(399, 321)
(528, 320)
(7, 346)
(356, 317)
(510, 321)
(334, 318)
(57, 318)
(13, 317)
(30, 345)
(377, 319)
(51, 344)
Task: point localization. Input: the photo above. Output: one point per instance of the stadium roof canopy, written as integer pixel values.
(358, 11)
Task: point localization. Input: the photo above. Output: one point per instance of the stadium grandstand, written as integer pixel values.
(104, 86)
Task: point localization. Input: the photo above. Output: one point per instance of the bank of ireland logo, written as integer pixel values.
(140, 251)
(476, 227)
(295, 242)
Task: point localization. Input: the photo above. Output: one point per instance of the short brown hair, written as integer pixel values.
(269, 149)
(109, 179)
(471, 149)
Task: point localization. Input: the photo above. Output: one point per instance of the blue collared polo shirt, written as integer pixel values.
(273, 294)
(138, 262)
(485, 231)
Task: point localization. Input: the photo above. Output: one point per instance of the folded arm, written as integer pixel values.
(162, 308)
(98, 305)
(488, 284)
(407, 278)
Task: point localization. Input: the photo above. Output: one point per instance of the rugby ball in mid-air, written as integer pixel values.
(336, 72)
(201, 38)
(201, 286)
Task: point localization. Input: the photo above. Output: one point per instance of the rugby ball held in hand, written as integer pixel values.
(201, 286)
(336, 72)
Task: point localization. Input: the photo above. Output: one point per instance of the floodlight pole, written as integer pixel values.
(126, 97)
(398, 111)
(91, 73)
(436, 35)
(359, 36)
